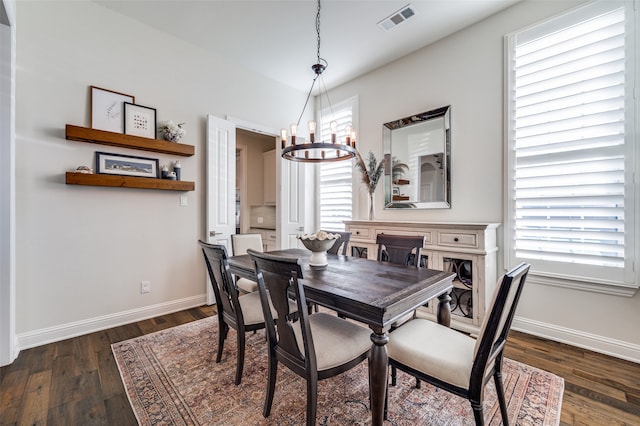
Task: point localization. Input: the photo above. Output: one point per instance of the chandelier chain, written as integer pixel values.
(318, 29)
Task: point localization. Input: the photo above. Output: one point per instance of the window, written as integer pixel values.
(571, 143)
(335, 201)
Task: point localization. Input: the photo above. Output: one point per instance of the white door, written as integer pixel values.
(290, 205)
(221, 185)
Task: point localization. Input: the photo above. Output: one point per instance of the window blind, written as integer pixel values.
(568, 137)
(336, 194)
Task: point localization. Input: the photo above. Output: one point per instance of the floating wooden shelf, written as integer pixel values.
(402, 182)
(73, 178)
(401, 198)
(102, 137)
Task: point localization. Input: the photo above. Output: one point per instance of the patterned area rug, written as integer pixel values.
(171, 378)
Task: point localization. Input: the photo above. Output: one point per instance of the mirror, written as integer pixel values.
(417, 152)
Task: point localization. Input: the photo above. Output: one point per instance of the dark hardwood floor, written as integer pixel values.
(76, 381)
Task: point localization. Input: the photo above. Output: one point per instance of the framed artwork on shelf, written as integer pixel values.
(107, 109)
(127, 165)
(139, 120)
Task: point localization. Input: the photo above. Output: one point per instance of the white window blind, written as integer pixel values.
(336, 194)
(569, 175)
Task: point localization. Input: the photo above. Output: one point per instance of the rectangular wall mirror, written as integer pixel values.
(417, 152)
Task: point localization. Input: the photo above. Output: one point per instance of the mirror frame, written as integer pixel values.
(387, 128)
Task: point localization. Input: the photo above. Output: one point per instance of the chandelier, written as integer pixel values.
(313, 151)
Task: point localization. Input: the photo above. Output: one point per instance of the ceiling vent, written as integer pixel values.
(397, 17)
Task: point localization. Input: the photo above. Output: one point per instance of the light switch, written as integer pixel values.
(183, 201)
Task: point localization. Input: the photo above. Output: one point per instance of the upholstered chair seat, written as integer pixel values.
(326, 331)
(415, 345)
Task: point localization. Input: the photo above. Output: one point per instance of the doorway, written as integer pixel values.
(255, 177)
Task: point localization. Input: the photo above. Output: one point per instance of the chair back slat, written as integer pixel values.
(343, 242)
(226, 295)
(400, 249)
(278, 282)
(496, 325)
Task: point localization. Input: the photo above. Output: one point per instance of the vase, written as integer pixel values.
(372, 212)
(172, 136)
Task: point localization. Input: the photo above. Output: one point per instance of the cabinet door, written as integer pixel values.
(465, 296)
(269, 182)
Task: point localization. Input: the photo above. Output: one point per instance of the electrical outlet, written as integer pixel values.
(260, 219)
(145, 287)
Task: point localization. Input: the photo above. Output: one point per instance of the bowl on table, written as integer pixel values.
(318, 243)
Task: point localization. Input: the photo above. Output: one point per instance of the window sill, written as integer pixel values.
(610, 288)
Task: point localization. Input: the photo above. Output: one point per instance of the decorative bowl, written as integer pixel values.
(318, 243)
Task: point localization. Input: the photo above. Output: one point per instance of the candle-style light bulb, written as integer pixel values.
(294, 133)
(283, 137)
(334, 127)
(353, 138)
(348, 131)
(312, 131)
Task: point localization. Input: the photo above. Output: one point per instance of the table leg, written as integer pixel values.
(378, 366)
(444, 309)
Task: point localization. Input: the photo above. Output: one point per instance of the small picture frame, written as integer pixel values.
(127, 165)
(139, 120)
(107, 109)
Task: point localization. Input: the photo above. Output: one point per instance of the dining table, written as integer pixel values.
(371, 292)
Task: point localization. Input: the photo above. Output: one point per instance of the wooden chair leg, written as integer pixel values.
(224, 328)
(394, 374)
(478, 413)
(497, 378)
(312, 400)
(272, 371)
(240, 356)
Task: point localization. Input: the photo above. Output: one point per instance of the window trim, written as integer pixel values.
(631, 277)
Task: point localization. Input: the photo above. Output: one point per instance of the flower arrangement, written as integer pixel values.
(172, 132)
(371, 172)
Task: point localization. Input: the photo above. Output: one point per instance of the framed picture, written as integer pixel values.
(139, 120)
(126, 165)
(107, 109)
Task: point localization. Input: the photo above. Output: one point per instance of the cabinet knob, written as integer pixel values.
(456, 239)
(357, 232)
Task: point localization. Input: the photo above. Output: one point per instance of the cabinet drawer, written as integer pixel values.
(270, 236)
(360, 233)
(458, 239)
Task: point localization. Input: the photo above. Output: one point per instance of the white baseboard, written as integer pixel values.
(592, 342)
(65, 331)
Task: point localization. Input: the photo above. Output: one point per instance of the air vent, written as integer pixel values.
(397, 17)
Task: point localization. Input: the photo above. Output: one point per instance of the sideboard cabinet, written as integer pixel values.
(468, 249)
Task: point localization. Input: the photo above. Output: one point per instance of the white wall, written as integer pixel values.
(8, 343)
(466, 71)
(82, 251)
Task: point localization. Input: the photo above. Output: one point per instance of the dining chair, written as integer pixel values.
(240, 243)
(400, 249)
(314, 346)
(342, 242)
(243, 313)
(456, 362)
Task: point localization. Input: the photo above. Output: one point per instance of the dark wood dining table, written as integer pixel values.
(374, 293)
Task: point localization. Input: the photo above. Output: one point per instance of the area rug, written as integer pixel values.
(171, 378)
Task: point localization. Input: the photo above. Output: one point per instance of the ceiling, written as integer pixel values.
(278, 38)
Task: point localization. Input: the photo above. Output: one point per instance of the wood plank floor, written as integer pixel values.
(76, 381)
